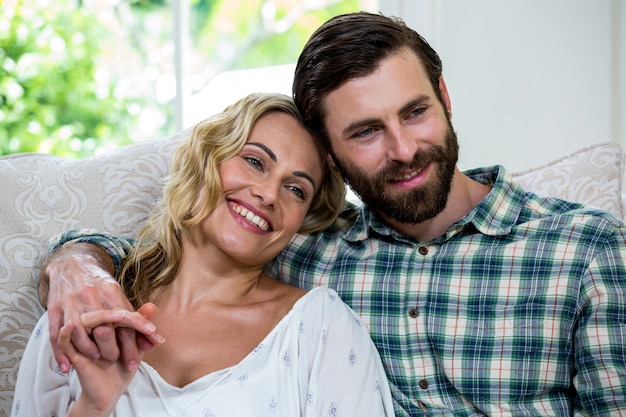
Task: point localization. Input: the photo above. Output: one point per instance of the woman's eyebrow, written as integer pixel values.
(267, 150)
(272, 155)
(305, 176)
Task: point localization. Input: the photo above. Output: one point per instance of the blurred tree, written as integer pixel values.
(51, 97)
(81, 76)
(255, 33)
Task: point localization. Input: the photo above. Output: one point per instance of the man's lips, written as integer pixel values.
(251, 217)
(411, 178)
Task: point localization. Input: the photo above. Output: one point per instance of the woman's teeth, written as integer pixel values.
(252, 218)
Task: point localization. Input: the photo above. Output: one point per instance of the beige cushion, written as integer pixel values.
(43, 195)
(591, 175)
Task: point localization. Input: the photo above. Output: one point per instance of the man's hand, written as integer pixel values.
(80, 280)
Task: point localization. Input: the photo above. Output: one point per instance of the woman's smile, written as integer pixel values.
(250, 217)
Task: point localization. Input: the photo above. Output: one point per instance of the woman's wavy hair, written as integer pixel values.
(154, 261)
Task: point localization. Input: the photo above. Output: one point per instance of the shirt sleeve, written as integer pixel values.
(41, 389)
(117, 247)
(344, 372)
(600, 337)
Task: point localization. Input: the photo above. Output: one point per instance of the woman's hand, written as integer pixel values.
(102, 381)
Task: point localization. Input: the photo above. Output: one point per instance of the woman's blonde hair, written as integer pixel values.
(154, 261)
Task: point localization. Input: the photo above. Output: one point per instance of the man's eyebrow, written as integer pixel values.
(421, 99)
(354, 126)
(267, 150)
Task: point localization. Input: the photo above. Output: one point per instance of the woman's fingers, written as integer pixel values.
(147, 310)
(134, 331)
(117, 318)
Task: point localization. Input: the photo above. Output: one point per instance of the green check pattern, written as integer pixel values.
(519, 310)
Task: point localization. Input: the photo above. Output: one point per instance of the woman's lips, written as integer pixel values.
(251, 217)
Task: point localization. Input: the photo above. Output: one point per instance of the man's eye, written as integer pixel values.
(418, 112)
(365, 132)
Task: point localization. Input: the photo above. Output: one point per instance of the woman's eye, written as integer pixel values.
(297, 191)
(255, 162)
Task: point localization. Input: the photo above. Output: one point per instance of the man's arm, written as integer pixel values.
(600, 378)
(88, 251)
(77, 278)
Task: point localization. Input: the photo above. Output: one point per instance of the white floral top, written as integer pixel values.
(318, 361)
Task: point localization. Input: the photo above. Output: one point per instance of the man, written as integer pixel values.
(481, 298)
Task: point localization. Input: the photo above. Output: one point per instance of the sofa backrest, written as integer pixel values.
(43, 195)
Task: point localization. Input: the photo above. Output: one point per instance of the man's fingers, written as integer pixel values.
(104, 336)
(127, 339)
(124, 341)
(83, 342)
(65, 343)
(117, 318)
(145, 345)
(59, 356)
(102, 326)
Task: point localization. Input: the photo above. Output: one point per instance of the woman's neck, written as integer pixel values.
(211, 276)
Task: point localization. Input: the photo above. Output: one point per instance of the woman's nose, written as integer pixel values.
(266, 192)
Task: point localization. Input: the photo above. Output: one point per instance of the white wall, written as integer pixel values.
(529, 80)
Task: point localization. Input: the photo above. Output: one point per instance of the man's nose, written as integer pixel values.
(401, 147)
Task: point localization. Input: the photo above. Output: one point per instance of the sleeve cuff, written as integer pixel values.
(117, 247)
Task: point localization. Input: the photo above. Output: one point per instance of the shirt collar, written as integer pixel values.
(495, 215)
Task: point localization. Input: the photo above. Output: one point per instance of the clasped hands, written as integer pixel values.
(90, 316)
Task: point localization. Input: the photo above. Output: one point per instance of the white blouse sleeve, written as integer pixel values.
(41, 388)
(344, 370)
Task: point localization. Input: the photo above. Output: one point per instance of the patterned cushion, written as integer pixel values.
(591, 175)
(43, 195)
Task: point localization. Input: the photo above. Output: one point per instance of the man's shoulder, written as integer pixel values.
(585, 221)
(343, 223)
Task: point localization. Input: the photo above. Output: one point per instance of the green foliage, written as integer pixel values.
(255, 33)
(79, 77)
(50, 97)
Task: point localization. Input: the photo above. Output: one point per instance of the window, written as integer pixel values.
(80, 76)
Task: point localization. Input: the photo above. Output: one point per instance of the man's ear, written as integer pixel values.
(445, 96)
(331, 161)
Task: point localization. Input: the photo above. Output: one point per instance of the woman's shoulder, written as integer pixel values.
(321, 295)
(326, 304)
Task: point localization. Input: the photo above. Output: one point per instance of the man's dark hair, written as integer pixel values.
(351, 46)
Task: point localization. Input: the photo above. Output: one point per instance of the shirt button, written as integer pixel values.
(423, 384)
(413, 313)
(423, 250)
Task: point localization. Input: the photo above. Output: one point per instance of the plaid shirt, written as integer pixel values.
(520, 309)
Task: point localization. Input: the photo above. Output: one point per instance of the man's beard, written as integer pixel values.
(412, 206)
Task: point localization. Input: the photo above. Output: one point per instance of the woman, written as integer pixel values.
(237, 342)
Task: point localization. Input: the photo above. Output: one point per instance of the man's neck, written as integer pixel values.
(465, 194)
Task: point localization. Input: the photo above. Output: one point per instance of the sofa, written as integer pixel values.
(43, 195)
